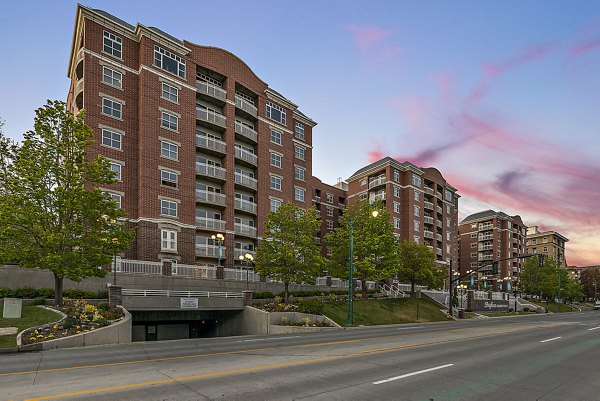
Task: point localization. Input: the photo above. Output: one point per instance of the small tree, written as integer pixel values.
(289, 251)
(375, 248)
(418, 267)
(590, 282)
(52, 216)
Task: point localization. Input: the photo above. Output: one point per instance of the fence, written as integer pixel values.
(193, 271)
(138, 266)
(180, 294)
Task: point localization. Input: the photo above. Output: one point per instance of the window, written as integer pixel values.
(168, 208)
(416, 180)
(417, 239)
(169, 121)
(330, 198)
(545, 249)
(299, 194)
(329, 225)
(416, 225)
(417, 196)
(275, 160)
(417, 211)
(276, 182)
(276, 137)
(168, 61)
(169, 240)
(473, 244)
(329, 211)
(396, 207)
(112, 77)
(299, 131)
(169, 150)
(396, 222)
(116, 168)
(111, 139)
(275, 204)
(299, 173)
(396, 176)
(448, 195)
(448, 222)
(362, 197)
(447, 235)
(168, 178)
(473, 235)
(114, 197)
(473, 254)
(299, 152)
(363, 182)
(276, 112)
(170, 92)
(396, 192)
(111, 107)
(112, 45)
(448, 209)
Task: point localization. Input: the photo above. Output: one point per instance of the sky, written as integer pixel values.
(503, 97)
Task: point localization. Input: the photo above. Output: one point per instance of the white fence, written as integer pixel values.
(180, 294)
(138, 266)
(193, 271)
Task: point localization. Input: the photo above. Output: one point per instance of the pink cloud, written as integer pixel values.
(584, 47)
(365, 37)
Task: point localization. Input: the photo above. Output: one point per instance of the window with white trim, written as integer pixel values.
(396, 222)
(396, 192)
(329, 224)
(417, 239)
(170, 92)
(396, 176)
(112, 77)
(168, 208)
(416, 225)
(275, 204)
(169, 150)
(329, 211)
(168, 240)
(169, 61)
(416, 180)
(299, 152)
(473, 244)
(275, 112)
(417, 196)
(473, 235)
(329, 198)
(111, 107)
(299, 194)
(169, 121)
(111, 139)
(417, 210)
(276, 137)
(362, 182)
(299, 173)
(114, 197)
(275, 160)
(116, 169)
(396, 207)
(299, 131)
(362, 196)
(276, 182)
(168, 178)
(112, 44)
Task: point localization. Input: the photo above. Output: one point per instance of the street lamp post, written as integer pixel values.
(250, 259)
(219, 238)
(461, 287)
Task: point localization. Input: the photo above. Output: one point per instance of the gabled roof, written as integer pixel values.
(485, 214)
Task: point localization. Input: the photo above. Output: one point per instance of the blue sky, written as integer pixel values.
(503, 97)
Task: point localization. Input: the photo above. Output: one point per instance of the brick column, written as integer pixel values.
(114, 296)
(167, 268)
(470, 297)
(247, 297)
(220, 272)
(328, 281)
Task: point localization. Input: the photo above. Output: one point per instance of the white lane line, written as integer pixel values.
(248, 341)
(410, 328)
(413, 374)
(594, 328)
(550, 339)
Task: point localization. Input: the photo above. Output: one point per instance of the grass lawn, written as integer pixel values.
(384, 311)
(31, 316)
(554, 307)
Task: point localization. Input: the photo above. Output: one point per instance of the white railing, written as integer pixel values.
(240, 275)
(210, 224)
(246, 181)
(428, 205)
(428, 190)
(428, 234)
(210, 170)
(211, 90)
(180, 294)
(244, 229)
(138, 267)
(428, 220)
(247, 206)
(211, 117)
(376, 182)
(246, 106)
(239, 252)
(393, 291)
(211, 143)
(246, 131)
(209, 250)
(193, 271)
(246, 156)
(210, 197)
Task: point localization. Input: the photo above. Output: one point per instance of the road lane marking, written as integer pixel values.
(256, 339)
(594, 328)
(550, 339)
(409, 328)
(413, 373)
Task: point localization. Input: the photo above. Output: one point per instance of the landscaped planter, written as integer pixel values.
(289, 322)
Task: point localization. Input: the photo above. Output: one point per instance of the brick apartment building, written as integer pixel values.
(548, 243)
(490, 236)
(423, 206)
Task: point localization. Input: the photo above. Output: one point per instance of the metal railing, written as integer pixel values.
(246, 181)
(211, 143)
(246, 156)
(211, 117)
(193, 271)
(246, 131)
(246, 206)
(210, 224)
(138, 267)
(245, 105)
(210, 197)
(179, 294)
(244, 229)
(211, 90)
(210, 171)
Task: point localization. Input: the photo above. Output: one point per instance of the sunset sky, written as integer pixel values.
(503, 97)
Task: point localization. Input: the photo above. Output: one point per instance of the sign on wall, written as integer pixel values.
(490, 305)
(188, 303)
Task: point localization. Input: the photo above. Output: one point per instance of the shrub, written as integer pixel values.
(103, 306)
(75, 293)
(313, 306)
(102, 295)
(262, 295)
(26, 292)
(39, 301)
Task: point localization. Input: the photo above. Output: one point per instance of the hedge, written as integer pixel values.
(48, 293)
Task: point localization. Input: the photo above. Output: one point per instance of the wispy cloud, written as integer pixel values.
(374, 42)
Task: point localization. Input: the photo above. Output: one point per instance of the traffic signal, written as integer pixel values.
(495, 268)
(540, 260)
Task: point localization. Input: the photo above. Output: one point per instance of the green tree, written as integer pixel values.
(52, 215)
(418, 267)
(290, 252)
(590, 282)
(375, 248)
(549, 281)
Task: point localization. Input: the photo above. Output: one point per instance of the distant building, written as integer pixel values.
(488, 237)
(548, 243)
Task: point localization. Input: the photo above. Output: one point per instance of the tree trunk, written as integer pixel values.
(286, 291)
(58, 290)
(412, 289)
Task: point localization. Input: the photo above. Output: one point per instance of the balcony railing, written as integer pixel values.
(210, 197)
(484, 227)
(485, 237)
(439, 237)
(439, 209)
(211, 90)
(428, 190)
(246, 156)
(209, 250)
(488, 247)
(246, 181)
(211, 117)
(244, 229)
(246, 132)
(238, 252)
(428, 234)
(485, 257)
(210, 171)
(212, 144)
(246, 206)
(438, 251)
(428, 220)
(376, 197)
(210, 224)
(246, 106)
(428, 205)
(377, 182)
(439, 224)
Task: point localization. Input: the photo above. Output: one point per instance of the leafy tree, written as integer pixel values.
(590, 282)
(52, 216)
(375, 248)
(418, 266)
(290, 253)
(549, 281)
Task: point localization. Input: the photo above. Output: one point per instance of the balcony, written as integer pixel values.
(428, 234)
(439, 210)
(439, 195)
(430, 248)
(428, 220)
(485, 227)
(209, 250)
(245, 230)
(486, 237)
(377, 182)
(485, 257)
(438, 251)
(246, 181)
(239, 252)
(212, 91)
(212, 144)
(428, 190)
(246, 156)
(428, 205)
(439, 238)
(439, 224)
(211, 117)
(208, 170)
(244, 205)
(210, 197)
(246, 132)
(246, 106)
(486, 247)
(376, 197)
(210, 224)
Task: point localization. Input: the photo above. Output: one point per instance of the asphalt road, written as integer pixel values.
(541, 357)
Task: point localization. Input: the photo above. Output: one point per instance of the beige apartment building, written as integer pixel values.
(548, 243)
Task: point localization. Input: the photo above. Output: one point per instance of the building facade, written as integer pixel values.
(423, 206)
(487, 237)
(548, 243)
(200, 145)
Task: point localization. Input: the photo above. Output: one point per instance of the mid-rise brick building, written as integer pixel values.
(548, 243)
(490, 236)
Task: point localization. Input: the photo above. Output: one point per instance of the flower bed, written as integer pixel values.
(80, 317)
